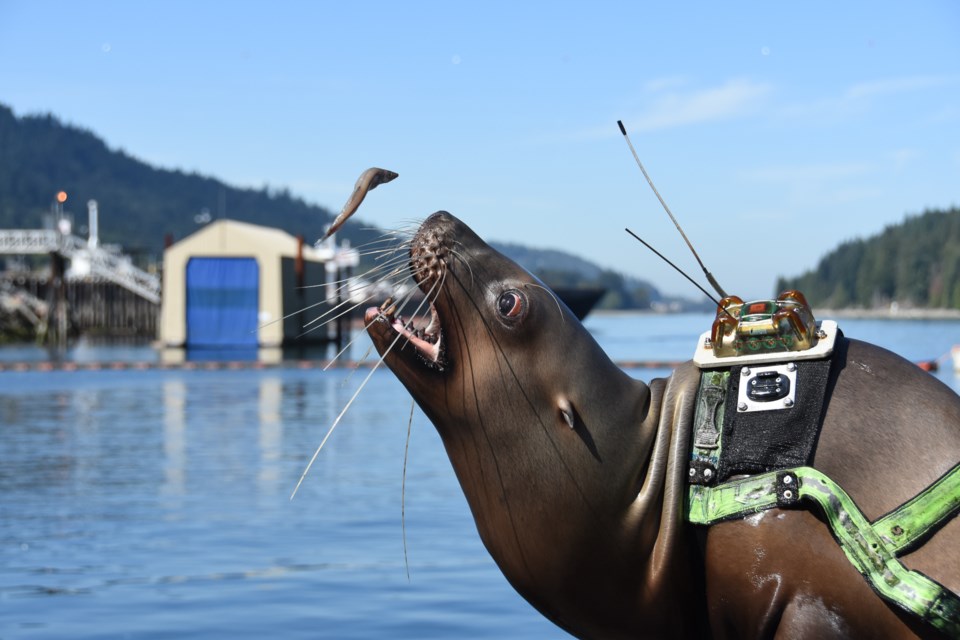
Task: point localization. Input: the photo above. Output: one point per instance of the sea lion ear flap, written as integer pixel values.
(566, 410)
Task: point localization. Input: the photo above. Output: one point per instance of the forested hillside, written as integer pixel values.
(914, 264)
(141, 205)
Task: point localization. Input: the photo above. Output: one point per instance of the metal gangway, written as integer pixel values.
(103, 264)
(23, 303)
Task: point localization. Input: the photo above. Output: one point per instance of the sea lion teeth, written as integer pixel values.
(429, 349)
(434, 326)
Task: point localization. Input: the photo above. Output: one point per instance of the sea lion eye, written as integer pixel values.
(511, 304)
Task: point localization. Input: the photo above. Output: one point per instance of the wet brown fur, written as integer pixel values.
(586, 523)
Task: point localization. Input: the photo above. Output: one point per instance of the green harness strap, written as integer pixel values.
(871, 547)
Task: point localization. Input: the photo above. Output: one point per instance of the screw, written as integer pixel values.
(742, 406)
(788, 402)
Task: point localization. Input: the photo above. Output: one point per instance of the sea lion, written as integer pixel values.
(574, 471)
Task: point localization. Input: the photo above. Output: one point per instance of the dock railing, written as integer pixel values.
(103, 264)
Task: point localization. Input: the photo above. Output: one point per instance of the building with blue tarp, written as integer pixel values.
(239, 285)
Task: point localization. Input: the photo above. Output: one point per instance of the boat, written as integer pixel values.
(580, 301)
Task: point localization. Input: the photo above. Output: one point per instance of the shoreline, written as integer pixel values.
(891, 314)
(860, 314)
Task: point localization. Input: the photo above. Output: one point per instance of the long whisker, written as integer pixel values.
(403, 492)
(348, 301)
(290, 315)
(345, 284)
(386, 261)
(393, 262)
(349, 403)
(408, 296)
(340, 416)
(400, 276)
(351, 343)
(353, 398)
(553, 295)
(374, 272)
(386, 237)
(385, 244)
(314, 305)
(402, 304)
(463, 259)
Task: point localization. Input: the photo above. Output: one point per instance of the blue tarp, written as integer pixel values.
(222, 302)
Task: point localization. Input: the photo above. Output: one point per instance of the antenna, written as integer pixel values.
(679, 270)
(709, 275)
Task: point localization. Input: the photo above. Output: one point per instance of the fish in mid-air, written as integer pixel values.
(368, 180)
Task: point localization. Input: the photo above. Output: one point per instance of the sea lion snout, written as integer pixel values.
(428, 249)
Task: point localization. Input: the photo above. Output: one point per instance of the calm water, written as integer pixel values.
(154, 504)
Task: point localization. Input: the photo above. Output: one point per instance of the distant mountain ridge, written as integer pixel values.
(548, 259)
(561, 269)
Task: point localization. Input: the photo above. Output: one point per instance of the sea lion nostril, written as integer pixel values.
(427, 255)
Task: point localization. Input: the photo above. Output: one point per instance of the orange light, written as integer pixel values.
(61, 196)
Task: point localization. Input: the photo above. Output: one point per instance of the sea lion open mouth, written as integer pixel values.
(427, 265)
(427, 341)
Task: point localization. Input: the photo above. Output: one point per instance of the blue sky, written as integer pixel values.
(773, 130)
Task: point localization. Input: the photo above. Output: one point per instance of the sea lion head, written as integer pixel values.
(549, 439)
